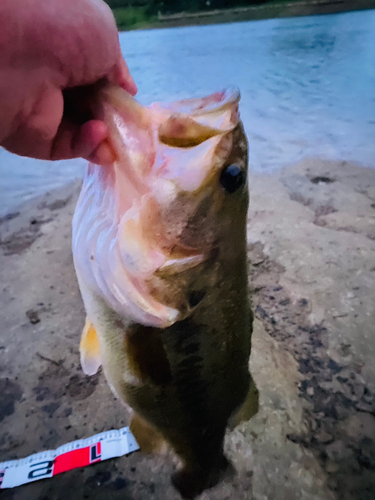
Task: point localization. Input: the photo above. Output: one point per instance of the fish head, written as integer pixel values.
(171, 208)
(200, 173)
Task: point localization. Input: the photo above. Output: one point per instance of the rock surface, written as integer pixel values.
(312, 249)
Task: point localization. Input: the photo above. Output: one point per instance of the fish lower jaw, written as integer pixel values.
(179, 265)
(138, 307)
(157, 319)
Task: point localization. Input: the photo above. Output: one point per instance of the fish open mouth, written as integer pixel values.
(119, 238)
(190, 122)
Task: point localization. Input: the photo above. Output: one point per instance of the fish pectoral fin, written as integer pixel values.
(149, 439)
(89, 349)
(248, 409)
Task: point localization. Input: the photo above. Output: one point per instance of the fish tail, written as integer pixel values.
(192, 479)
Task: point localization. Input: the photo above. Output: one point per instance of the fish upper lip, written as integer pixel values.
(197, 106)
(230, 96)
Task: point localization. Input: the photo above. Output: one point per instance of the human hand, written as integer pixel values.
(50, 51)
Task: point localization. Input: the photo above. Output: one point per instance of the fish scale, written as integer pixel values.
(174, 336)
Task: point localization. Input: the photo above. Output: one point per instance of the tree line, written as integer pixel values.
(153, 7)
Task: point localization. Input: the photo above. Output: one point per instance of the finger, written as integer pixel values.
(92, 134)
(104, 155)
(120, 75)
(78, 141)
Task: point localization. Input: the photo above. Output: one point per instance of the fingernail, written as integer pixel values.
(133, 89)
(126, 80)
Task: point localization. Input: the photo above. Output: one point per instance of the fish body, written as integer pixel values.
(159, 245)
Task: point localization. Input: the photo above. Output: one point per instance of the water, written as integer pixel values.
(307, 84)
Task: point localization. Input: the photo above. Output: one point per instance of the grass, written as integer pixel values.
(129, 18)
(132, 17)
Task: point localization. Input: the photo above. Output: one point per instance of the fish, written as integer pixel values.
(160, 252)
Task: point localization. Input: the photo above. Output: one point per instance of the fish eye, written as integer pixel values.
(232, 178)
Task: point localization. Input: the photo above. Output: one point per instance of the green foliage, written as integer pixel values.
(115, 4)
(131, 17)
(173, 6)
(139, 13)
(152, 7)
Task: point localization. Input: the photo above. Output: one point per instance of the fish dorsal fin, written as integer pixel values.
(89, 349)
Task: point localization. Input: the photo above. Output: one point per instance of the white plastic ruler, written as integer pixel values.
(69, 456)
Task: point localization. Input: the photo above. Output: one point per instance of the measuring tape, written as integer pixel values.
(69, 456)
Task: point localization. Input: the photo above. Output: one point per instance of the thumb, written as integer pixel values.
(78, 141)
(120, 75)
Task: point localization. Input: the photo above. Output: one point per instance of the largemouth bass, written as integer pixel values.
(159, 245)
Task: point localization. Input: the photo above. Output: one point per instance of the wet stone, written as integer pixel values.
(119, 484)
(338, 451)
(99, 478)
(10, 394)
(33, 316)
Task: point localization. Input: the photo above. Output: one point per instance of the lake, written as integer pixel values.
(307, 85)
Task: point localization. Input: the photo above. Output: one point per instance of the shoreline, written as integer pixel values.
(272, 10)
(311, 241)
